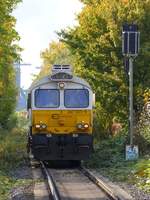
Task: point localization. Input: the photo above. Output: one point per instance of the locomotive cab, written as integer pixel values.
(61, 117)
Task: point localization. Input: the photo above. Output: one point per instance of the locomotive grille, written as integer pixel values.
(61, 72)
(61, 76)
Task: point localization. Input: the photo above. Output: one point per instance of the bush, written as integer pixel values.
(102, 123)
(12, 154)
(12, 148)
(108, 152)
(142, 174)
(12, 122)
(143, 132)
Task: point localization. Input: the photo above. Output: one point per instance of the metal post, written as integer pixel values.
(131, 99)
(130, 49)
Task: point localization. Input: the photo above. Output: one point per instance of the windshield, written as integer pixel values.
(76, 98)
(47, 98)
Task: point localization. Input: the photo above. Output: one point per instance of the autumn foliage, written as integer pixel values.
(8, 56)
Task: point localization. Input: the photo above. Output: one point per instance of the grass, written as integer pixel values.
(12, 155)
(109, 159)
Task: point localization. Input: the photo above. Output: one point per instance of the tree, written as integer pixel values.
(8, 55)
(96, 43)
(56, 53)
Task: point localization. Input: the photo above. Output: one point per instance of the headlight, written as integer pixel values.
(37, 126)
(61, 85)
(41, 126)
(86, 126)
(82, 126)
(79, 126)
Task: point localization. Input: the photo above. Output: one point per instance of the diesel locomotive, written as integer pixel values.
(60, 111)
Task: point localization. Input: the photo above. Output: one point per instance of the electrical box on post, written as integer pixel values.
(130, 40)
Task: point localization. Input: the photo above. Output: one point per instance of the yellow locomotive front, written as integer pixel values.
(60, 112)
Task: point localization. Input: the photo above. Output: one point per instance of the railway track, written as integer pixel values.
(75, 184)
(52, 189)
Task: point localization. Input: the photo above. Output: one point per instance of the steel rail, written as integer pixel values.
(51, 184)
(103, 186)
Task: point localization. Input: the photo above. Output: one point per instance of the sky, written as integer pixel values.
(37, 23)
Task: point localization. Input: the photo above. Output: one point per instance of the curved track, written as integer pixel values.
(75, 184)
